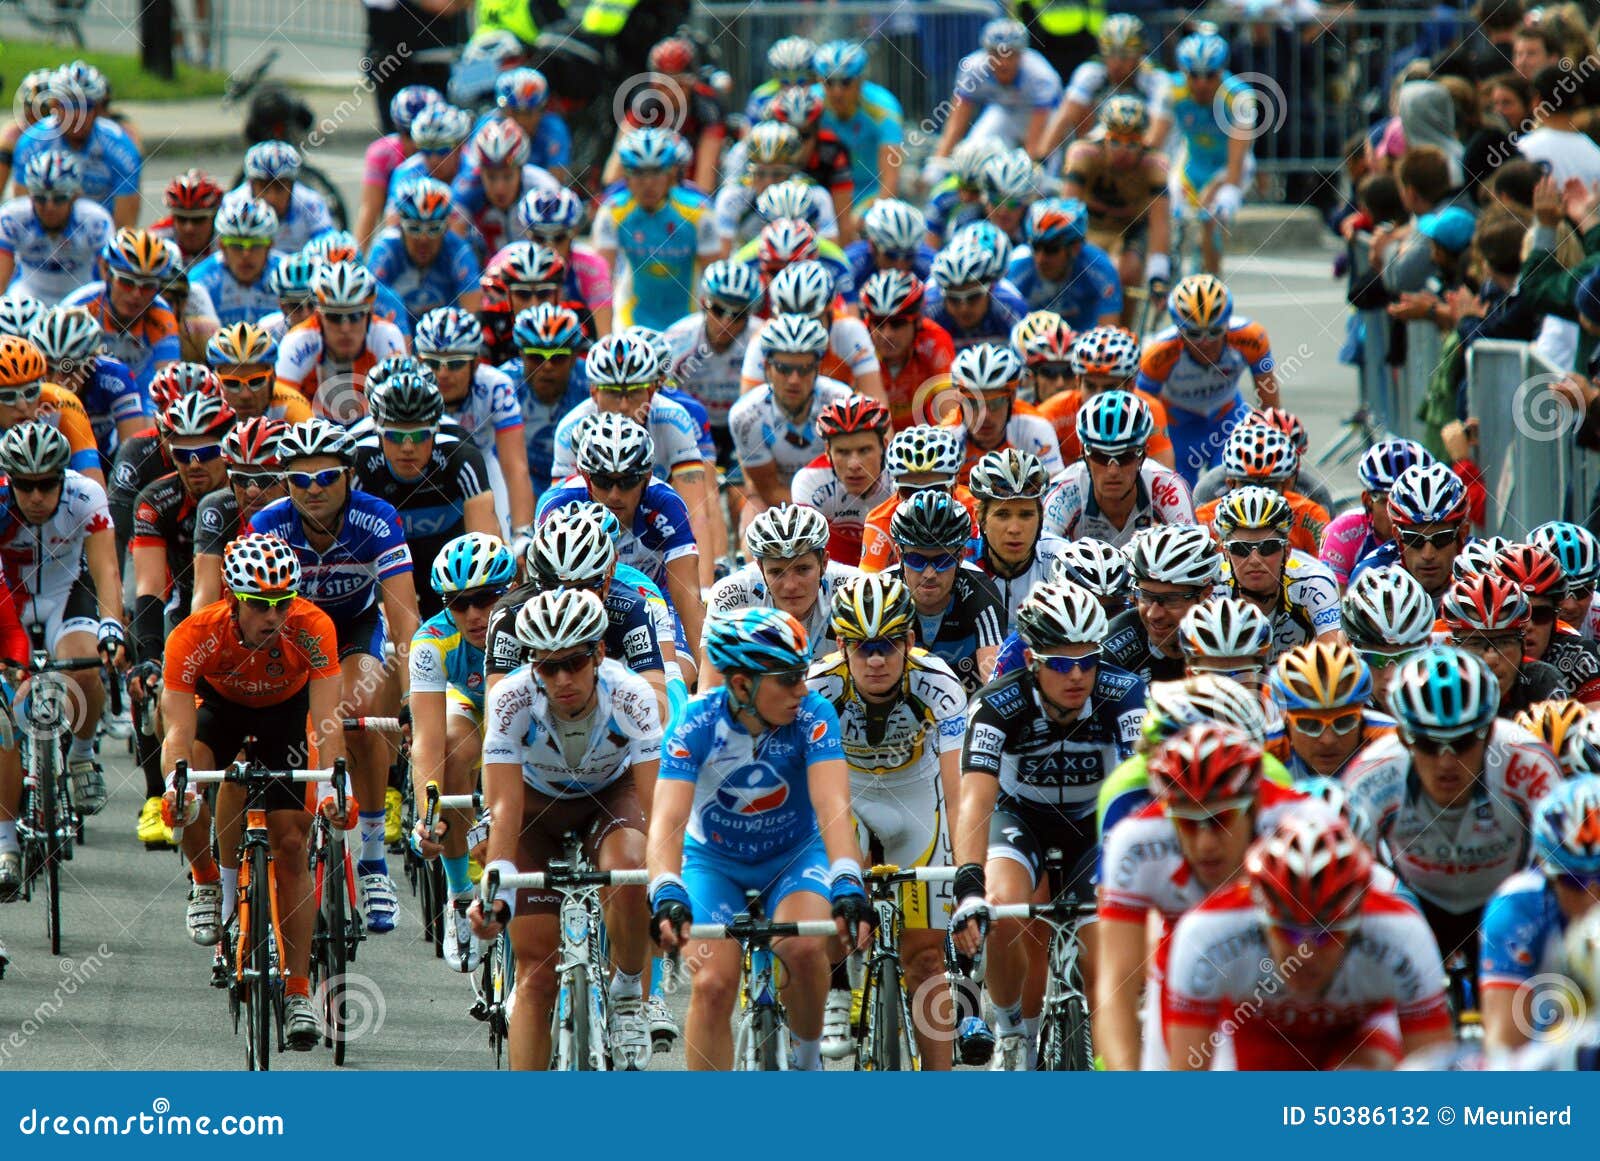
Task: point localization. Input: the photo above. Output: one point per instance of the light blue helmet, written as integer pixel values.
(441, 126)
(53, 171)
(649, 148)
(1443, 693)
(840, 58)
(449, 330)
(757, 641)
(731, 283)
(291, 279)
(246, 218)
(1566, 828)
(410, 101)
(1575, 548)
(423, 199)
(1063, 220)
(989, 238)
(475, 560)
(1113, 422)
(272, 161)
(1203, 52)
(1004, 35)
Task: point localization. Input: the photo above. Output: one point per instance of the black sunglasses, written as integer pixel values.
(474, 599)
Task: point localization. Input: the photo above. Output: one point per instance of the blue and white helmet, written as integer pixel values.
(1566, 824)
(622, 360)
(543, 214)
(1113, 422)
(963, 265)
(802, 288)
(53, 171)
(844, 59)
(441, 126)
(894, 226)
(405, 105)
(1443, 693)
(1575, 548)
(757, 641)
(246, 218)
(423, 199)
(1383, 462)
(1004, 35)
(989, 238)
(790, 60)
(449, 330)
(272, 161)
(1009, 176)
(732, 283)
(967, 159)
(649, 148)
(1202, 52)
(475, 560)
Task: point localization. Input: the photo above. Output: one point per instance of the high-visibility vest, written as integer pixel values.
(607, 17)
(1067, 17)
(513, 16)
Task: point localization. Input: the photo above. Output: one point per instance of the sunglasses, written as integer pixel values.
(1049, 247)
(1543, 614)
(573, 663)
(244, 243)
(877, 647)
(262, 602)
(624, 390)
(1314, 726)
(1580, 593)
(189, 456)
(1167, 600)
(1376, 659)
(326, 478)
(241, 478)
(1413, 538)
(545, 355)
(1426, 745)
(962, 297)
(142, 284)
(474, 599)
(345, 317)
(550, 233)
(1243, 549)
(908, 490)
(792, 370)
(35, 484)
(839, 82)
(1106, 460)
(53, 199)
(246, 382)
(606, 482)
(1206, 335)
(424, 229)
(194, 218)
(11, 396)
(1309, 936)
(451, 363)
(1225, 817)
(1065, 665)
(895, 322)
(788, 678)
(1485, 643)
(722, 310)
(532, 290)
(1205, 76)
(1052, 371)
(922, 562)
(770, 172)
(415, 437)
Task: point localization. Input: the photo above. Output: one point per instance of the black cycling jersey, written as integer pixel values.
(975, 620)
(1128, 647)
(164, 518)
(216, 522)
(1578, 660)
(139, 462)
(631, 637)
(431, 506)
(1536, 681)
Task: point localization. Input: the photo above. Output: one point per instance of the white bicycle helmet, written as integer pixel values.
(967, 159)
(558, 619)
(1175, 554)
(1204, 697)
(1225, 627)
(1009, 176)
(1061, 614)
(570, 548)
(1008, 474)
(794, 334)
(1095, 565)
(789, 199)
(924, 449)
(894, 226)
(803, 288)
(18, 313)
(614, 445)
(34, 449)
(786, 531)
(313, 438)
(1387, 608)
(246, 218)
(344, 286)
(963, 264)
(1477, 557)
(622, 360)
(68, 337)
(986, 368)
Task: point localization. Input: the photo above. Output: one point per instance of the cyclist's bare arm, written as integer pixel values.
(503, 792)
(765, 482)
(101, 550)
(950, 790)
(987, 657)
(1159, 219)
(512, 453)
(970, 842)
(125, 211)
(1119, 979)
(644, 775)
(690, 484)
(178, 715)
(1160, 130)
(669, 820)
(1033, 138)
(478, 514)
(961, 113)
(427, 739)
(327, 717)
(1267, 388)
(1070, 120)
(708, 151)
(1506, 1012)
(1189, 1048)
(870, 384)
(889, 158)
(207, 581)
(371, 209)
(400, 607)
(8, 267)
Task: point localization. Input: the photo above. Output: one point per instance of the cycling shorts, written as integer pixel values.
(50, 620)
(717, 884)
(903, 824)
(1024, 834)
(1454, 932)
(547, 821)
(279, 732)
(458, 705)
(362, 633)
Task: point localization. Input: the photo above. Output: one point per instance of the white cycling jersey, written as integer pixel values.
(1071, 511)
(1031, 433)
(336, 390)
(1308, 607)
(817, 486)
(42, 561)
(50, 265)
(738, 221)
(1037, 86)
(1014, 590)
(1454, 856)
(746, 588)
(710, 376)
(849, 343)
(1089, 86)
(763, 434)
(672, 429)
(625, 732)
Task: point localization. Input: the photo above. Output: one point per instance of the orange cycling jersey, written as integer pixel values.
(1061, 410)
(1310, 520)
(878, 549)
(61, 409)
(204, 653)
(916, 384)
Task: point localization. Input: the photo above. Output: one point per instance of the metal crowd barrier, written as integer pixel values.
(1532, 468)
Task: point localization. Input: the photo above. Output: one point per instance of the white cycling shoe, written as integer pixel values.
(463, 951)
(1012, 1053)
(836, 1025)
(630, 1035)
(204, 917)
(379, 903)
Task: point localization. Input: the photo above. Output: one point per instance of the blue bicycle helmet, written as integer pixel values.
(408, 102)
(290, 280)
(1566, 828)
(840, 58)
(475, 560)
(272, 161)
(1385, 460)
(541, 214)
(1428, 494)
(1113, 422)
(1332, 791)
(1203, 52)
(1443, 693)
(523, 89)
(53, 171)
(423, 199)
(990, 239)
(732, 283)
(755, 641)
(547, 327)
(1057, 220)
(648, 149)
(1574, 547)
(448, 330)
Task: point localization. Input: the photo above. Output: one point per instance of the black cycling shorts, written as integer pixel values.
(1026, 833)
(279, 732)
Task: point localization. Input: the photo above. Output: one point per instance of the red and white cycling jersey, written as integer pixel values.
(336, 392)
(1169, 370)
(1071, 511)
(817, 486)
(43, 561)
(1390, 983)
(1455, 856)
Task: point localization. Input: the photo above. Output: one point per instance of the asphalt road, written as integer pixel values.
(131, 992)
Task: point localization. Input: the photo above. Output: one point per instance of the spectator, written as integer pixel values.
(1554, 142)
(1536, 47)
(1489, 48)
(1511, 98)
(1428, 117)
(411, 42)
(1483, 146)
(1400, 253)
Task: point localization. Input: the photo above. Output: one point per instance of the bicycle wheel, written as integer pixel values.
(258, 987)
(887, 1051)
(578, 1013)
(764, 1032)
(332, 918)
(50, 822)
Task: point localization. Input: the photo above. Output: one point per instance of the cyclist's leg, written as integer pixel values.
(616, 842)
(367, 693)
(462, 760)
(10, 808)
(799, 892)
(534, 939)
(1015, 875)
(77, 639)
(281, 745)
(716, 894)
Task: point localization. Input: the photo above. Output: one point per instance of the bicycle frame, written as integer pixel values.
(893, 1047)
(1064, 1012)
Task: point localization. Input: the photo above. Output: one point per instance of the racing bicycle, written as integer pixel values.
(1064, 1036)
(338, 931)
(887, 1041)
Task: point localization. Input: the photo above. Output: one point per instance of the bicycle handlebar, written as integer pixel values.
(1068, 908)
(747, 928)
(58, 665)
(494, 882)
(889, 875)
(377, 725)
(247, 772)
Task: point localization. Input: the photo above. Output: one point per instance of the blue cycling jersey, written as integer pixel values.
(875, 123)
(1521, 934)
(946, 212)
(1091, 288)
(859, 254)
(1206, 127)
(1006, 308)
(234, 301)
(110, 396)
(751, 795)
(446, 661)
(343, 580)
(452, 273)
(660, 532)
(110, 160)
(540, 419)
(1383, 556)
(662, 247)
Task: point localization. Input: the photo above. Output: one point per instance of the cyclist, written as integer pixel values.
(1387, 615)
(1123, 183)
(823, 158)
(470, 573)
(960, 617)
(1488, 616)
(968, 298)
(70, 340)
(243, 357)
(238, 277)
(291, 286)
(24, 398)
(386, 154)
(521, 96)
(59, 556)
(919, 458)
(1122, 71)
(663, 228)
(789, 571)
(31, 104)
(340, 246)
(255, 479)
(353, 555)
(1006, 90)
(806, 288)
(1293, 589)
(496, 177)
(192, 200)
(1032, 765)
(772, 158)
(1538, 574)
(902, 716)
(785, 241)
(1353, 534)
(422, 260)
(709, 346)
(985, 379)
(1428, 512)
(913, 351)
(1310, 961)
(1009, 184)
(140, 328)
(434, 479)
(1060, 270)
(259, 665)
(143, 457)
(1325, 692)
(773, 815)
(956, 200)
(106, 152)
(1451, 761)
(891, 239)
(1232, 637)
(865, 116)
(549, 379)
(848, 479)
(49, 240)
(439, 131)
(1013, 550)
(1255, 455)
(1115, 489)
(1553, 722)
(1101, 568)
(1175, 567)
(791, 62)
(623, 371)
(1215, 123)
(654, 532)
(327, 358)
(551, 219)
(271, 173)
(1530, 913)
(1194, 366)
(1214, 481)
(1210, 801)
(1100, 360)
(1578, 552)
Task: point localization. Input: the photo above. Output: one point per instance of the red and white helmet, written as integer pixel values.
(1311, 872)
(1205, 766)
